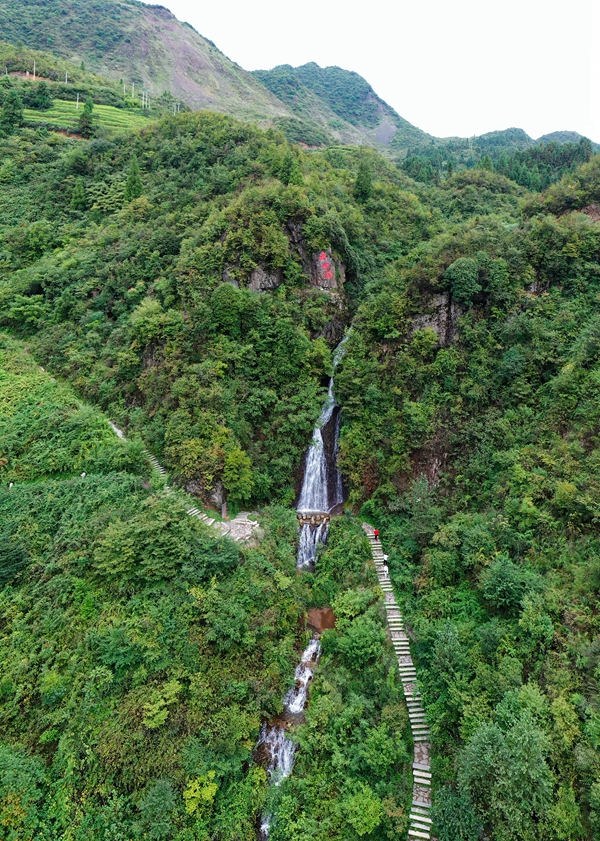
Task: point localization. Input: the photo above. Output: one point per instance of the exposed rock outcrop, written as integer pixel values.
(262, 280)
(441, 316)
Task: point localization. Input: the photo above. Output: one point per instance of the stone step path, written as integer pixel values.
(420, 822)
(239, 529)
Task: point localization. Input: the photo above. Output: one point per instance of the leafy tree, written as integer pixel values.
(86, 126)
(78, 197)
(454, 817)
(12, 112)
(507, 778)
(237, 475)
(22, 789)
(504, 583)
(463, 276)
(361, 641)
(156, 809)
(289, 171)
(134, 187)
(363, 810)
(13, 558)
(363, 185)
(43, 99)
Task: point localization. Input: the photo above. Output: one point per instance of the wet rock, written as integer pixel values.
(217, 494)
(194, 487)
(228, 277)
(593, 211)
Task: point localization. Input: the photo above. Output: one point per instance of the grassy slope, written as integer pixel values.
(142, 44)
(65, 115)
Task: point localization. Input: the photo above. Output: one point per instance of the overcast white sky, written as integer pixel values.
(451, 67)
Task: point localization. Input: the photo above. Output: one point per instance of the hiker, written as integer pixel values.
(376, 534)
(386, 572)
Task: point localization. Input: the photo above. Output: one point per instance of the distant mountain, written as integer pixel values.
(513, 139)
(561, 137)
(133, 43)
(140, 44)
(342, 103)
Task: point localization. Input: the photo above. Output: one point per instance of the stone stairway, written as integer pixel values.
(155, 464)
(239, 529)
(420, 822)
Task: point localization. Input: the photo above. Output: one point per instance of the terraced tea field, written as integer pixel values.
(64, 114)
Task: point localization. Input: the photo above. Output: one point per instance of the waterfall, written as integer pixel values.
(322, 486)
(295, 699)
(273, 737)
(315, 491)
(310, 537)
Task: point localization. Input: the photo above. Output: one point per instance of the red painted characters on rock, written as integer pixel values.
(325, 266)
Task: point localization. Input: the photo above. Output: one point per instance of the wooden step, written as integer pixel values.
(422, 818)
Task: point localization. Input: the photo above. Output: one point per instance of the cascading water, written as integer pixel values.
(295, 699)
(315, 488)
(322, 486)
(273, 737)
(321, 492)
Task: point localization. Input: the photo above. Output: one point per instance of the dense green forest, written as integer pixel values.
(141, 653)
(478, 456)
(534, 167)
(168, 279)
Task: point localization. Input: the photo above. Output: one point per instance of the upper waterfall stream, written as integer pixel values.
(322, 486)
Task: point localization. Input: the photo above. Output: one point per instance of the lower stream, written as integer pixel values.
(273, 737)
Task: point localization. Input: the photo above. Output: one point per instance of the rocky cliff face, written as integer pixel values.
(441, 315)
(323, 269)
(325, 273)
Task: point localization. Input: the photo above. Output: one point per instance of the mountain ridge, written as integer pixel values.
(146, 46)
(342, 102)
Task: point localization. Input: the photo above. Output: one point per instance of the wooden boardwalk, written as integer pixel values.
(420, 822)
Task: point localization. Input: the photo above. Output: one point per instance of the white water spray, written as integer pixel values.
(315, 497)
(281, 749)
(315, 491)
(322, 486)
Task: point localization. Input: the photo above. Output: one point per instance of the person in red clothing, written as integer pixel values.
(376, 534)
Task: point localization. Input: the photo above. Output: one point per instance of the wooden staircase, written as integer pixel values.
(420, 822)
